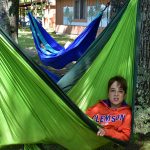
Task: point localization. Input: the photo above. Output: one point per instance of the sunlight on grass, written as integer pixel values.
(25, 38)
(26, 42)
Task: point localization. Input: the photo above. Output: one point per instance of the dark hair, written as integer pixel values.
(122, 82)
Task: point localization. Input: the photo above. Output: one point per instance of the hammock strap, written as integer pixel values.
(107, 5)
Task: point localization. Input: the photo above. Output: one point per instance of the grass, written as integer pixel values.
(25, 39)
(26, 42)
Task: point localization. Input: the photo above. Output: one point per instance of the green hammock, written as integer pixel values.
(35, 110)
(116, 58)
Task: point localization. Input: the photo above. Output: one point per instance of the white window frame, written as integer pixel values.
(80, 9)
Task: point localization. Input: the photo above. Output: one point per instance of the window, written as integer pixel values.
(80, 9)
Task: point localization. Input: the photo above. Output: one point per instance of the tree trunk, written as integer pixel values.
(4, 19)
(142, 111)
(116, 6)
(9, 15)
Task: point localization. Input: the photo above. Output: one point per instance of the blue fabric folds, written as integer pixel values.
(52, 53)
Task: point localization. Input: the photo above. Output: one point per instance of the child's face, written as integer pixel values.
(116, 95)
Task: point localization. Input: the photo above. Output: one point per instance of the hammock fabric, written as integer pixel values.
(71, 77)
(53, 54)
(35, 110)
(52, 75)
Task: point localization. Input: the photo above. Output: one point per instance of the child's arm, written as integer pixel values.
(121, 133)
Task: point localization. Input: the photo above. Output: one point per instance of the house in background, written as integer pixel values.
(72, 16)
(64, 16)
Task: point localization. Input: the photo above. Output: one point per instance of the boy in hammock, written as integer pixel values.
(113, 114)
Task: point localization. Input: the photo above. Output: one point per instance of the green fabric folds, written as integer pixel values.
(116, 58)
(32, 112)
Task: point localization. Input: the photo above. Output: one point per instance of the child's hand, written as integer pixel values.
(101, 132)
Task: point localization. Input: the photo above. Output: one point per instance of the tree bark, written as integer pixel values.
(4, 19)
(9, 16)
(115, 7)
(142, 111)
(143, 84)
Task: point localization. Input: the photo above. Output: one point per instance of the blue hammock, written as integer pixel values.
(50, 74)
(53, 54)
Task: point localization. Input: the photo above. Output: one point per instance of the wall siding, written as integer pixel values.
(77, 26)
